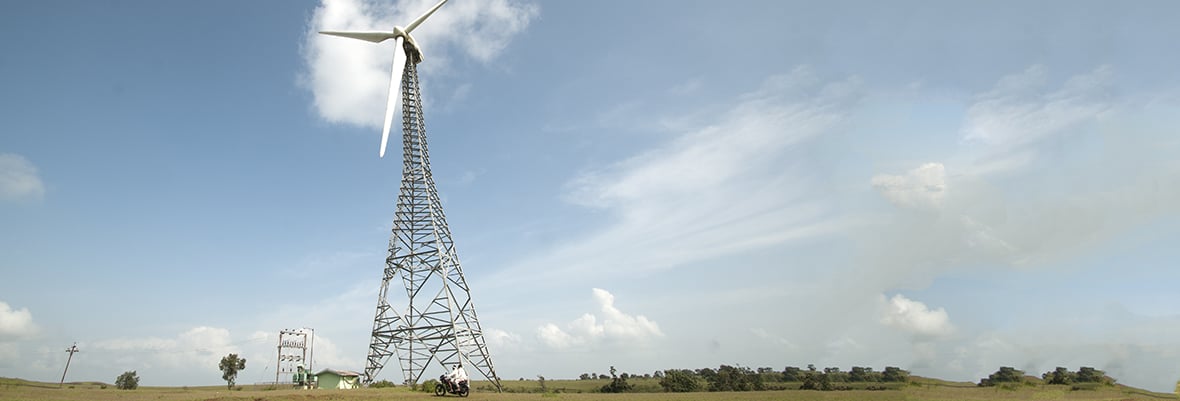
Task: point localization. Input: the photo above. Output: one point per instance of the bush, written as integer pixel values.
(127, 381)
(617, 384)
(429, 385)
(383, 384)
(1006, 374)
(679, 381)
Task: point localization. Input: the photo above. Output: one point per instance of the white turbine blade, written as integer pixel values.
(419, 20)
(375, 37)
(395, 91)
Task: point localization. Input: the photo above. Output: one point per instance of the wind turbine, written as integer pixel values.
(410, 50)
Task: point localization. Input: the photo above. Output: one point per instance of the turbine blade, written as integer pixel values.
(395, 91)
(419, 20)
(375, 37)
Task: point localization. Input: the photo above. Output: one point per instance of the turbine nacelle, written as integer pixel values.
(409, 50)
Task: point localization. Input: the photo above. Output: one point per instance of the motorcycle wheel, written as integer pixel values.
(464, 391)
(439, 390)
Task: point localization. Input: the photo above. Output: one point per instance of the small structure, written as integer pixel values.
(303, 378)
(341, 379)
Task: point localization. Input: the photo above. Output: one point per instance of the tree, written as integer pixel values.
(617, 384)
(127, 381)
(895, 374)
(230, 366)
(679, 381)
(1090, 375)
(584, 376)
(863, 374)
(731, 378)
(792, 374)
(1059, 376)
(814, 380)
(1006, 374)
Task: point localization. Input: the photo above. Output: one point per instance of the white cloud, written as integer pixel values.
(916, 318)
(350, 78)
(1019, 111)
(683, 201)
(19, 179)
(616, 327)
(15, 323)
(922, 187)
(502, 340)
(199, 346)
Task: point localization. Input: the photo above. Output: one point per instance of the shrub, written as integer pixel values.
(127, 381)
(679, 381)
(429, 385)
(383, 384)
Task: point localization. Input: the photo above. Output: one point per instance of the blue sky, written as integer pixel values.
(945, 187)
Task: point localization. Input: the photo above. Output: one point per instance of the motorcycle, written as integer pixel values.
(445, 386)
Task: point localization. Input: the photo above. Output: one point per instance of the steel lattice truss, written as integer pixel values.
(439, 325)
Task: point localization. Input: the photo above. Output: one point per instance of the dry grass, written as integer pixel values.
(924, 389)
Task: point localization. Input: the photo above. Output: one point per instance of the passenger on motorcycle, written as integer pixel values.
(457, 377)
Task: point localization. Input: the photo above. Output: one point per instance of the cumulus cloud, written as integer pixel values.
(201, 346)
(349, 78)
(501, 340)
(19, 179)
(916, 318)
(615, 326)
(15, 323)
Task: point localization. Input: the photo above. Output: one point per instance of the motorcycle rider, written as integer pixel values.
(457, 377)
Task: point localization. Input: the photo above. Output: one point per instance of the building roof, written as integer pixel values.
(341, 373)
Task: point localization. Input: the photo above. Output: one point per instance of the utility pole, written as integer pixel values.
(72, 349)
(311, 359)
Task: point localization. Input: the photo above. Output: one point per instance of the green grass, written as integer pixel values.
(572, 390)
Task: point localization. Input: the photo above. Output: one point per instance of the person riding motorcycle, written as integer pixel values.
(457, 378)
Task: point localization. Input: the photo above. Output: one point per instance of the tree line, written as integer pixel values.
(741, 378)
(1061, 375)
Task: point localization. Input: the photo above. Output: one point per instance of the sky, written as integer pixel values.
(947, 187)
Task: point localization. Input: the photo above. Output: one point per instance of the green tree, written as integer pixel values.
(814, 380)
(895, 374)
(127, 381)
(863, 374)
(1006, 374)
(679, 381)
(617, 384)
(731, 378)
(230, 366)
(1090, 375)
(792, 374)
(1059, 376)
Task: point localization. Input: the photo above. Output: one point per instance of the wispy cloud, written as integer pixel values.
(19, 179)
(726, 186)
(1011, 208)
(1022, 110)
(350, 78)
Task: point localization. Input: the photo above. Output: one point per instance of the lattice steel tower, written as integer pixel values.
(439, 323)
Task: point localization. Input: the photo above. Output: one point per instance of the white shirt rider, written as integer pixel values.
(458, 375)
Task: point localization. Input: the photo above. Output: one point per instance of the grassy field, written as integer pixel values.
(921, 389)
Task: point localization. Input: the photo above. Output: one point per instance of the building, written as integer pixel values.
(341, 379)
